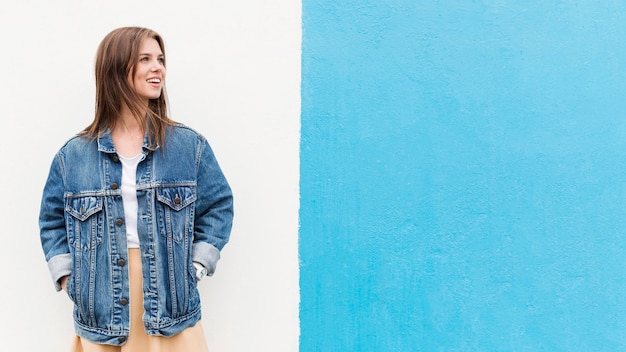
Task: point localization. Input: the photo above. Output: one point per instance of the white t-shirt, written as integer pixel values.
(129, 198)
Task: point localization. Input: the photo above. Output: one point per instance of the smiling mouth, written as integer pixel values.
(154, 80)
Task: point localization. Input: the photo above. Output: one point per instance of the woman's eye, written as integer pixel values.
(162, 60)
(143, 59)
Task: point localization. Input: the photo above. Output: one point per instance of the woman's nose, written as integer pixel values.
(156, 66)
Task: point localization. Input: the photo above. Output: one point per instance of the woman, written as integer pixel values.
(135, 210)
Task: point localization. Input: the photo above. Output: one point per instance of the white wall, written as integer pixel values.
(234, 75)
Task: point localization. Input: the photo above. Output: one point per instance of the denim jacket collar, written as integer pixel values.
(105, 142)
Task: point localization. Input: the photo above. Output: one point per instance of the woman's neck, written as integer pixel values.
(127, 134)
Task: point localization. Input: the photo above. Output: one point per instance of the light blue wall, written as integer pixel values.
(463, 176)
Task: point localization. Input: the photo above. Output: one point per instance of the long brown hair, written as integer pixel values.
(115, 62)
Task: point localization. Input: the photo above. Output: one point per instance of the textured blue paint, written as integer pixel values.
(463, 178)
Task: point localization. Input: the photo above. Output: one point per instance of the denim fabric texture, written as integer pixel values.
(185, 215)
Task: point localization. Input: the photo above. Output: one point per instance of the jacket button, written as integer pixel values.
(119, 222)
(123, 301)
(177, 200)
(82, 210)
(121, 262)
(113, 185)
(122, 339)
(115, 159)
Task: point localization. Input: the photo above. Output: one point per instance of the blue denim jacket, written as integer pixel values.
(185, 215)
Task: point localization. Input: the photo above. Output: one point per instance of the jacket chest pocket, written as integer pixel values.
(175, 210)
(84, 222)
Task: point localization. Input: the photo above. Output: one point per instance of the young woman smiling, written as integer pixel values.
(135, 210)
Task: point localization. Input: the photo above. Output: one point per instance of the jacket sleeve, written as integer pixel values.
(214, 210)
(52, 225)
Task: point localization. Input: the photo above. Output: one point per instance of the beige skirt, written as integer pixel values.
(189, 340)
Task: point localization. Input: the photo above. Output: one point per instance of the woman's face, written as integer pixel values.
(149, 75)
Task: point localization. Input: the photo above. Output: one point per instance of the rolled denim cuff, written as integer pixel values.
(59, 266)
(205, 254)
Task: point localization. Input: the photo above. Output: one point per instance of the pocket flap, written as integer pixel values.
(176, 197)
(83, 207)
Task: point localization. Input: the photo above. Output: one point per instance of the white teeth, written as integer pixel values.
(154, 80)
